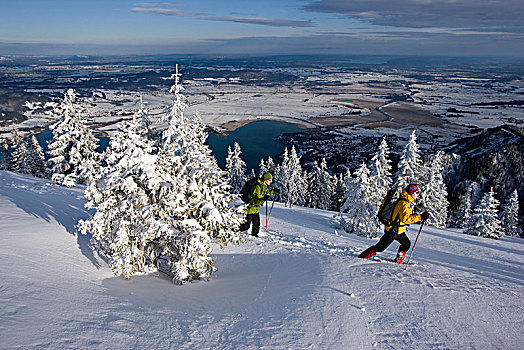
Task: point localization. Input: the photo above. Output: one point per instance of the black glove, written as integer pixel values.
(266, 197)
(424, 216)
(276, 190)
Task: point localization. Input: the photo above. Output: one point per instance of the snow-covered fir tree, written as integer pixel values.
(19, 155)
(319, 186)
(145, 125)
(358, 212)
(410, 164)
(165, 202)
(280, 177)
(123, 193)
(35, 158)
(433, 197)
(72, 150)
(509, 215)
(462, 215)
(339, 190)
(5, 155)
(16, 151)
(380, 178)
(291, 179)
(484, 220)
(267, 166)
(235, 168)
(199, 203)
(262, 167)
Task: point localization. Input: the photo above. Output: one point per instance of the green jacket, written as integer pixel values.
(256, 196)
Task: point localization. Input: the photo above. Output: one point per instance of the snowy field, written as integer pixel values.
(299, 287)
(446, 103)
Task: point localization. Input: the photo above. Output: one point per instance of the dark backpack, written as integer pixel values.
(385, 213)
(244, 192)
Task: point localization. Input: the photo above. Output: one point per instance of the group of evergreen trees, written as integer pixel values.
(157, 192)
(72, 151)
(358, 197)
(23, 155)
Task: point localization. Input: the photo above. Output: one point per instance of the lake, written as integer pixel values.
(256, 139)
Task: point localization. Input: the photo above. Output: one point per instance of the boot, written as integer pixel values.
(400, 257)
(368, 253)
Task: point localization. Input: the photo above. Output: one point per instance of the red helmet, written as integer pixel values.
(412, 188)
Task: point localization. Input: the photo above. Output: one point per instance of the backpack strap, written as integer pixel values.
(396, 222)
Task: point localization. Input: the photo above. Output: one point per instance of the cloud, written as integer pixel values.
(262, 21)
(479, 15)
(272, 22)
(162, 11)
(157, 4)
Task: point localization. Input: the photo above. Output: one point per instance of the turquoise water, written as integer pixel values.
(256, 139)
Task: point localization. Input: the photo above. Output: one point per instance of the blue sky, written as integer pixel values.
(415, 27)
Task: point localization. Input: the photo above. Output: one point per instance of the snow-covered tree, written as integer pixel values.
(381, 169)
(16, 151)
(410, 164)
(235, 168)
(280, 177)
(433, 197)
(123, 193)
(320, 186)
(339, 190)
(144, 123)
(267, 166)
(380, 178)
(262, 167)
(35, 158)
(5, 155)
(509, 215)
(291, 179)
(72, 150)
(484, 220)
(462, 216)
(162, 202)
(358, 213)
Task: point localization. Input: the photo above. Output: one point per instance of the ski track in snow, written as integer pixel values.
(301, 286)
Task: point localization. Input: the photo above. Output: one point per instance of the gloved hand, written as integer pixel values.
(266, 197)
(424, 216)
(276, 190)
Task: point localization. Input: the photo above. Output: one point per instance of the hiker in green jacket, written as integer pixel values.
(258, 194)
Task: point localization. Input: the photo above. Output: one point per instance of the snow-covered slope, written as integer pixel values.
(300, 287)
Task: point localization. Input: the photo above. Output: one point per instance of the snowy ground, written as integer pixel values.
(300, 287)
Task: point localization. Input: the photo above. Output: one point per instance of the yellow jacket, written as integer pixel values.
(403, 211)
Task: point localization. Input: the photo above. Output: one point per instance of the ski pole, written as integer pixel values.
(266, 216)
(272, 204)
(271, 210)
(415, 244)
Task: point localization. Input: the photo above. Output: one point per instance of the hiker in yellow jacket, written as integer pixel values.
(397, 232)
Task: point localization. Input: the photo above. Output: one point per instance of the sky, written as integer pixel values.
(269, 27)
